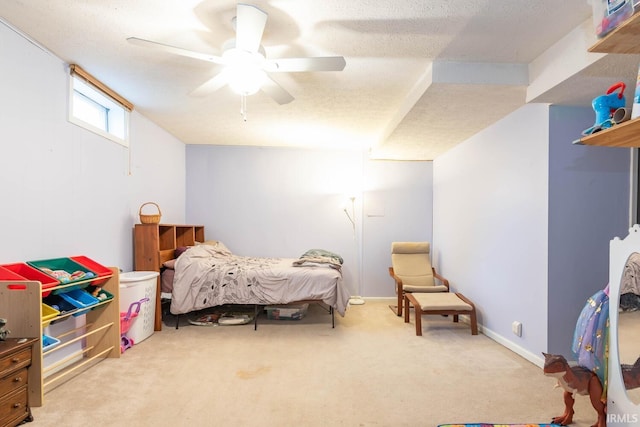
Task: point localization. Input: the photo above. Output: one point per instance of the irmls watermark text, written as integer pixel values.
(622, 418)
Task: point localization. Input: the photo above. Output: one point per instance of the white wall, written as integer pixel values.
(490, 225)
(398, 206)
(65, 190)
(280, 202)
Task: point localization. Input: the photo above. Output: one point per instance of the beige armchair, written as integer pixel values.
(412, 271)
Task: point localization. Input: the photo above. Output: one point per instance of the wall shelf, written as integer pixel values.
(623, 39)
(626, 134)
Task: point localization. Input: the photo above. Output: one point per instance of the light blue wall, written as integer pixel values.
(588, 206)
(523, 219)
(282, 201)
(490, 225)
(398, 206)
(65, 190)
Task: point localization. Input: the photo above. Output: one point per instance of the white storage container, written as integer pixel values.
(135, 286)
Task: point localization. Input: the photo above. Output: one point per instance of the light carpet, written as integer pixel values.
(370, 371)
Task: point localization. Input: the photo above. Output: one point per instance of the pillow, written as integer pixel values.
(220, 247)
(180, 250)
(169, 264)
(208, 242)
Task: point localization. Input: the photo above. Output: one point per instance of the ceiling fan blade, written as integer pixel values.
(250, 23)
(326, 63)
(277, 92)
(176, 50)
(213, 84)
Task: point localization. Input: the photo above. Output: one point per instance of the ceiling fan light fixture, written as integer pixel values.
(246, 80)
(245, 72)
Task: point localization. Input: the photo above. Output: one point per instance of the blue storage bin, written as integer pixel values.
(79, 298)
(49, 342)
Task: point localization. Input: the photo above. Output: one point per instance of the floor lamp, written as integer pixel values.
(355, 300)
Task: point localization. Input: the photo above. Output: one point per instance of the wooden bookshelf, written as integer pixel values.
(155, 244)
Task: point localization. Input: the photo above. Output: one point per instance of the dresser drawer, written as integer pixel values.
(13, 381)
(15, 361)
(13, 407)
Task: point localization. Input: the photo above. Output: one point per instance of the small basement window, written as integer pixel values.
(97, 108)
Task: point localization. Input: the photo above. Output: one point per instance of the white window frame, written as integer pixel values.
(116, 114)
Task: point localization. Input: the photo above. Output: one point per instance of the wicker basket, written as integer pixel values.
(150, 219)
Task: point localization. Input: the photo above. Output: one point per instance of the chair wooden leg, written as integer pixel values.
(400, 302)
(455, 318)
(474, 322)
(406, 309)
(418, 312)
(472, 314)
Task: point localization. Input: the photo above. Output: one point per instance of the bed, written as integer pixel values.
(209, 275)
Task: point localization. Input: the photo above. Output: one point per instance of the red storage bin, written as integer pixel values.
(26, 272)
(10, 275)
(92, 265)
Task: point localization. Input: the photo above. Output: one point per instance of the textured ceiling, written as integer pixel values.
(421, 76)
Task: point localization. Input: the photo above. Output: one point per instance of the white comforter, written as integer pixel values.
(207, 276)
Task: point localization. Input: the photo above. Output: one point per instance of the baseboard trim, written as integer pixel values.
(520, 351)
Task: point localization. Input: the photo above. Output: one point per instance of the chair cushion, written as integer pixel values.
(409, 247)
(428, 288)
(441, 301)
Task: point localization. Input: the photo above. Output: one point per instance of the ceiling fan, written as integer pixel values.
(246, 68)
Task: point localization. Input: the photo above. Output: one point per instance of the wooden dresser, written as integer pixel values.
(15, 358)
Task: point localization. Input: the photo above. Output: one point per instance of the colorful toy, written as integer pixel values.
(609, 14)
(126, 320)
(575, 380)
(606, 106)
(3, 331)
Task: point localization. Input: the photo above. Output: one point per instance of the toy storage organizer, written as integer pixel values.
(77, 321)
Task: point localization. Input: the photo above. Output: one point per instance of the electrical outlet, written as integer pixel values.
(516, 328)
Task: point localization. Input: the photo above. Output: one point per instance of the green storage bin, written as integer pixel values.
(68, 271)
(101, 295)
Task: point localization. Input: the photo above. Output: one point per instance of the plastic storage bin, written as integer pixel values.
(134, 286)
(97, 268)
(58, 303)
(287, 312)
(48, 314)
(79, 299)
(67, 265)
(10, 275)
(31, 273)
(49, 342)
(100, 294)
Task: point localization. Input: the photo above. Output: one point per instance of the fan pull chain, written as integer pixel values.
(243, 107)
